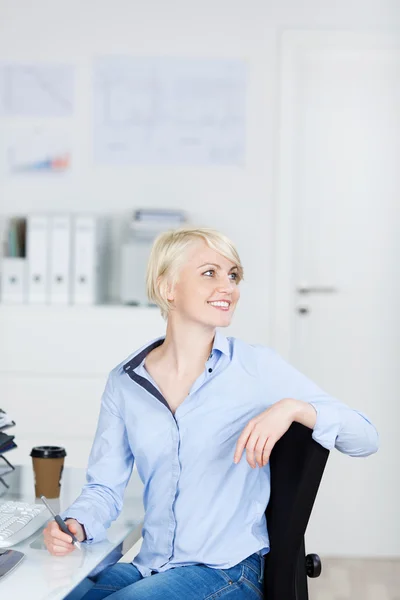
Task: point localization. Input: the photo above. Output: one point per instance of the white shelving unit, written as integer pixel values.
(54, 361)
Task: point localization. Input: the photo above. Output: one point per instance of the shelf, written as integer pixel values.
(66, 340)
(7, 308)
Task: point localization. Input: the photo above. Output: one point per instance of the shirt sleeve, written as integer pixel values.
(109, 469)
(337, 426)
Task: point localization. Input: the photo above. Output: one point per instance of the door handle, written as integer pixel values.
(316, 289)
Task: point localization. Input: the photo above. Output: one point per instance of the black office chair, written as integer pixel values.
(297, 463)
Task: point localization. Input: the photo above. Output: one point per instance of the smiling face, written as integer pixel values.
(206, 290)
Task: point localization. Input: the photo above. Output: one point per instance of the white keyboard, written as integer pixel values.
(18, 520)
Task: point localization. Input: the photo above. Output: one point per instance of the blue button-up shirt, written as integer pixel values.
(200, 507)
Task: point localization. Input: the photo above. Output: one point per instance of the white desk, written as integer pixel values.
(41, 576)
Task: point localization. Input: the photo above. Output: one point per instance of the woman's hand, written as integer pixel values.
(59, 543)
(261, 433)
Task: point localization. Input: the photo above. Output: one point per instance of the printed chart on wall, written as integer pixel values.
(169, 111)
(41, 149)
(36, 103)
(36, 90)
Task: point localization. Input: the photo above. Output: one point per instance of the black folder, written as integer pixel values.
(6, 442)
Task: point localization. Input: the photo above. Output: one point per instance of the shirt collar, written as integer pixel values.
(221, 343)
(141, 355)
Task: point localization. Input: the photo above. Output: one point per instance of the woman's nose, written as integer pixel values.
(226, 284)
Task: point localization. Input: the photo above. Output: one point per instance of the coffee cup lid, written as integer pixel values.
(48, 452)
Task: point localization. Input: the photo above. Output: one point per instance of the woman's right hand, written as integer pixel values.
(59, 543)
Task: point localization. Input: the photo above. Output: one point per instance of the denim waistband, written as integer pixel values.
(258, 561)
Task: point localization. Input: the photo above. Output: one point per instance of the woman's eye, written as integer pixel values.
(233, 275)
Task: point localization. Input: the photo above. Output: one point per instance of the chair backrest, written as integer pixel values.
(297, 463)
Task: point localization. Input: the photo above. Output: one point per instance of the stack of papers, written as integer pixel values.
(5, 420)
(6, 443)
(148, 221)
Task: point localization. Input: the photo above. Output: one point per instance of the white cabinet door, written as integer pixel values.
(338, 265)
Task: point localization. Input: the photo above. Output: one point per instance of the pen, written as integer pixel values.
(61, 523)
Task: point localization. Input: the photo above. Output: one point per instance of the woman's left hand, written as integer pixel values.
(261, 433)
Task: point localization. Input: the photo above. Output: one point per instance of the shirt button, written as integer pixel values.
(210, 370)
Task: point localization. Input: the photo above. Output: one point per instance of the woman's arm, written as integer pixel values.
(336, 424)
(109, 470)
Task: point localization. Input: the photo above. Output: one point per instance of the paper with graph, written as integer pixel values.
(41, 149)
(169, 111)
(40, 90)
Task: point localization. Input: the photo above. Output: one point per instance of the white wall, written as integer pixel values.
(239, 201)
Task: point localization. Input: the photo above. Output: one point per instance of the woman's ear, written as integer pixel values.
(168, 288)
(170, 291)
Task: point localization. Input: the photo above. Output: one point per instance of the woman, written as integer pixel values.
(185, 407)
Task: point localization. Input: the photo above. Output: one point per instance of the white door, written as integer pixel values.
(338, 240)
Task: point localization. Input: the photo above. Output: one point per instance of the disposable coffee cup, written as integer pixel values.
(48, 465)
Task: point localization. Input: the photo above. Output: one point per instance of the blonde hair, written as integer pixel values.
(168, 254)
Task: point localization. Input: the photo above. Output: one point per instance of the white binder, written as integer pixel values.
(38, 258)
(13, 280)
(60, 259)
(89, 256)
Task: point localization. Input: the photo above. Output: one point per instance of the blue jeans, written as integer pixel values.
(123, 581)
